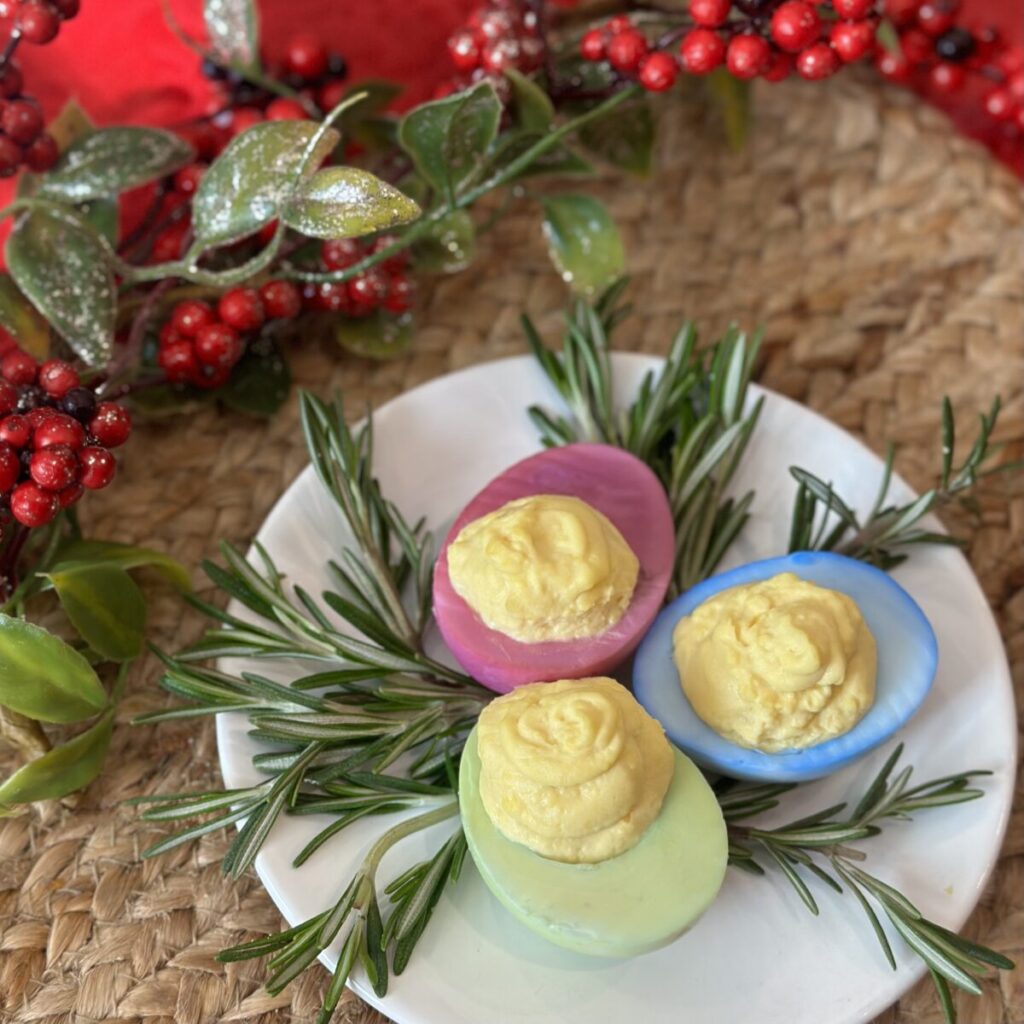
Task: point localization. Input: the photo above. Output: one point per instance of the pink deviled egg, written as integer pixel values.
(623, 490)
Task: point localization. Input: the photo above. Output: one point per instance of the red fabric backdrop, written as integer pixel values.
(123, 64)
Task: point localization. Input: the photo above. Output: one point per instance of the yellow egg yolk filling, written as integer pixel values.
(777, 665)
(575, 770)
(546, 567)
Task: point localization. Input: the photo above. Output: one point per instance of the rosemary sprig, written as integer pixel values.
(335, 736)
(369, 938)
(690, 422)
(820, 842)
(823, 521)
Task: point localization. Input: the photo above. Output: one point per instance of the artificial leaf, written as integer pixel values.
(448, 246)
(234, 30)
(583, 242)
(105, 605)
(559, 159)
(733, 98)
(244, 188)
(447, 139)
(534, 110)
(22, 320)
(260, 382)
(888, 37)
(63, 268)
(113, 160)
(377, 336)
(624, 139)
(44, 678)
(88, 553)
(346, 202)
(375, 95)
(104, 215)
(63, 769)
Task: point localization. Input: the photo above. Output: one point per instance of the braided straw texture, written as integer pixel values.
(882, 254)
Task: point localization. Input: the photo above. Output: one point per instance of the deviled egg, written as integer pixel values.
(786, 669)
(556, 568)
(585, 822)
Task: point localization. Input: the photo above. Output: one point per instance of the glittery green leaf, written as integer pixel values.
(346, 202)
(377, 336)
(583, 242)
(234, 30)
(63, 268)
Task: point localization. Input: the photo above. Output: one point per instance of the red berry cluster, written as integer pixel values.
(937, 51)
(23, 143)
(498, 36)
(384, 286)
(200, 345)
(752, 38)
(55, 438)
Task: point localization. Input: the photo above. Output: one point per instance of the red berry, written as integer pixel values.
(853, 10)
(169, 243)
(710, 13)
(38, 24)
(747, 56)
(331, 95)
(916, 46)
(242, 309)
(795, 25)
(281, 299)
(218, 345)
(186, 181)
(779, 68)
(394, 263)
(284, 109)
(15, 431)
(658, 72)
(243, 118)
(59, 429)
(817, 61)
(19, 367)
(111, 425)
(852, 39)
(56, 377)
(400, 294)
(901, 12)
(936, 16)
(464, 50)
(168, 333)
(499, 56)
(42, 154)
(178, 361)
(340, 253)
(1015, 84)
(10, 81)
(97, 467)
(8, 398)
(10, 157)
(366, 292)
(947, 78)
(189, 316)
(592, 45)
(702, 51)
(626, 49)
(22, 120)
(210, 377)
(10, 468)
(39, 415)
(66, 9)
(70, 495)
(892, 66)
(328, 297)
(306, 57)
(999, 104)
(620, 23)
(492, 23)
(54, 468)
(32, 506)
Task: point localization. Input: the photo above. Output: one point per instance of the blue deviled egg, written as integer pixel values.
(895, 642)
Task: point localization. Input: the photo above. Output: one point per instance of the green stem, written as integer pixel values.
(507, 174)
(406, 828)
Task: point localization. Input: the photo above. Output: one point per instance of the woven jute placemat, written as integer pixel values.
(883, 256)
